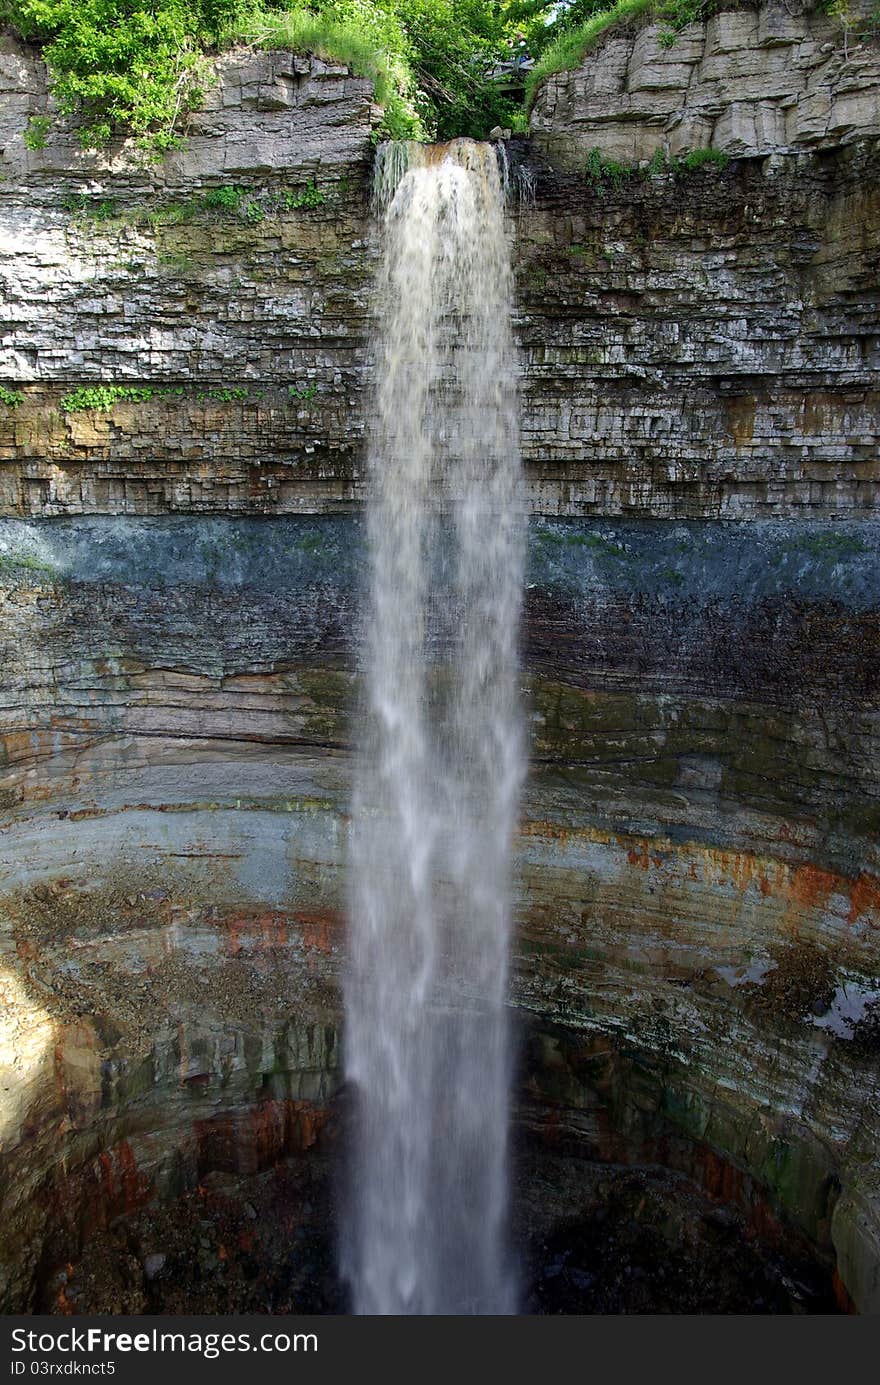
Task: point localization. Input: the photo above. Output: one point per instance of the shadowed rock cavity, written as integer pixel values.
(695, 967)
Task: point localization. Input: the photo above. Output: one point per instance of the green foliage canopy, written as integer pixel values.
(137, 66)
(121, 63)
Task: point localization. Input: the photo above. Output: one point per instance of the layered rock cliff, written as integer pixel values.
(697, 972)
(749, 81)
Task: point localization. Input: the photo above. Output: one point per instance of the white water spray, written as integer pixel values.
(427, 1046)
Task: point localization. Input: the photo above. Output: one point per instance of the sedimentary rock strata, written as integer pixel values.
(697, 977)
(747, 81)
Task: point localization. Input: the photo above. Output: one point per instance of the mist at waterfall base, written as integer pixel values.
(427, 1044)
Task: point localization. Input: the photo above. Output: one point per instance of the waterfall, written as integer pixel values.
(427, 1045)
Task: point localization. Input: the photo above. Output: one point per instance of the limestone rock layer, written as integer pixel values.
(697, 980)
(749, 80)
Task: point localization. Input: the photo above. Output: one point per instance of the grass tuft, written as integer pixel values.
(568, 51)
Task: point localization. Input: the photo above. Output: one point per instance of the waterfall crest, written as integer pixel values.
(427, 1045)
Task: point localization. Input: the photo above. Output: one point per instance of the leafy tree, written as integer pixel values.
(454, 45)
(139, 65)
(131, 63)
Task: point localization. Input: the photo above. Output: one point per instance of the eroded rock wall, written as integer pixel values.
(704, 345)
(693, 345)
(697, 974)
(697, 870)
(751, 80)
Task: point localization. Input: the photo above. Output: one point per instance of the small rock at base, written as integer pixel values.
(152, 1265)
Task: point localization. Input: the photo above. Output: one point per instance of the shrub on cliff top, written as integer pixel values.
(576, 36)
(137, 66)
(121, 63)
(362, 34)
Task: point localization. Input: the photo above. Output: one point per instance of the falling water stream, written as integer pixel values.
(427, 1047)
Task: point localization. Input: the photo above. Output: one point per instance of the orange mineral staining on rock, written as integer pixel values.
(122, 1187)
(263, 931)
(812, 887)
(318, 929)
(864, 897)
(721, 1179)
(638, 856)
(249, 1141)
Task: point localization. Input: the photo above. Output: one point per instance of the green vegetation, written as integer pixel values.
(579, 27)
(92, 209)
(310, 544)
(829, 544)
(564, 538)
(568, 50)
(103, 397)
(856, 25)
(661, 163)
(672, 575)
(37, 131)
(29, 562)
(138, 66)
(574, 40)
(11, 398)
(126, 67)
(439, 68)
(311, 196)
(119, 65)
(366, 35)
(254, 206)
(251, 205)
(607, 548)
(225, 394)
(603, 173)
(555, 538)
(700, 158)
(224, 199)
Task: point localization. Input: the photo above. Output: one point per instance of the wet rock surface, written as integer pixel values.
(696, 978)
(697, 902)
(693, 345)
(259, 1245)
(642, 1242)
